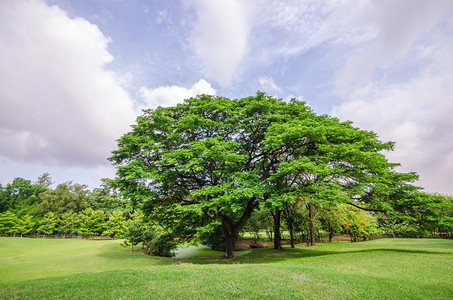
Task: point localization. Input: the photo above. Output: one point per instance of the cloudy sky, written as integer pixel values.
(75, 74)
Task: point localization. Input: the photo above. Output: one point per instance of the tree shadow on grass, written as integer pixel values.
(255, 256)
(266, 255)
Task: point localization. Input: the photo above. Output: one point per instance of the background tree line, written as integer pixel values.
(35, 209)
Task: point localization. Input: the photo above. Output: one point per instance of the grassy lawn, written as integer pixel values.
(81, 269)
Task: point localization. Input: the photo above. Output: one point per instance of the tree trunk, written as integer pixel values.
(331, 233)
(277, 237)
(291, 234)
(311, 215)
(230, 236)
(230, 244)
(230, 229)
(270, 234)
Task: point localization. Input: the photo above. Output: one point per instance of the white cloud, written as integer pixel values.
(416, 114)
(268, 85)
(57, 102)
(172, 95)
(398, 25)
(289, 28)
(220, 36)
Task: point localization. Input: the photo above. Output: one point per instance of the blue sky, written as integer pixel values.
(75, 74)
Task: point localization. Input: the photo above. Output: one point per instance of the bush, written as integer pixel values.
(162, 245)
(214, 239)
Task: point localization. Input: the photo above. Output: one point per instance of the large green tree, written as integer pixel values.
(208, 163)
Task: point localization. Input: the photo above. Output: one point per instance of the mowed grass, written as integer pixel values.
(81, 269)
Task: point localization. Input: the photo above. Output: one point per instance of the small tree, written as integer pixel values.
(47, 224)
(114, 225)
(258, 222)
(91, 222)
(26, 225)
(9, 223)
(359, 224)
(133, 230)
(331, 218)
(294, 218)
(68, 223)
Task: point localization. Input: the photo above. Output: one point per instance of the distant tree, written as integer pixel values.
(133, 229)
(331, 218)
(67, 197)
(9, 223)
(294, 217)
(359, 224)
(26, 225)
(91, 222)
(20, 195)
(106, 199)
(45, 180)
(68, 223)
(3, 199)
(258, 222)
(114, 225)
(47, 224)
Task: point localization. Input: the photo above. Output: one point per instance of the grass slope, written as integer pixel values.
(379, 269)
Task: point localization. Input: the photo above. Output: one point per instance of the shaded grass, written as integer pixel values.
(380, 269)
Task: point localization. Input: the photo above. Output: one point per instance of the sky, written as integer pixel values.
(74, 75)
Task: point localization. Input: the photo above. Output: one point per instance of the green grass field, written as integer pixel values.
(82, 269)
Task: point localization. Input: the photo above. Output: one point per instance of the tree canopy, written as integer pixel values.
(208, 162)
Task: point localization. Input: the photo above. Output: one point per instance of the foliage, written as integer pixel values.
(359, 224)
(107, 199)
(155, 239)
(114, 225)
(47, 224)
(67, 197)
(161, 244)
(218, 159)
(36, 208)
(133, 229)
(259, 221)
(26, 225)
(8, 223)
(91, 222)
(20, 195)
(213, 238)
(68, 223)
(331, 218)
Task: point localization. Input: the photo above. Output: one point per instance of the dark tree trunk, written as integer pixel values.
(291, 234)
(230, 244)
(331, 233)
(230, 229)
(276, 214)
(311, 215)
